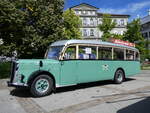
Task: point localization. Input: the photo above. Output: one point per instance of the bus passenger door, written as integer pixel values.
(88, 70)
(68, 74)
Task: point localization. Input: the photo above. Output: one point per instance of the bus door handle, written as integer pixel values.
(62, 63)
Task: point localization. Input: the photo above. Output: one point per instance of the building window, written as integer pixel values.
(91, 21)
(84, 32)
(146, 35)
(115, 21)
(84, 21)
(122, 22)
(77, 12)
(84, 12)
(100, 21)
(92, 32)
(91, 13)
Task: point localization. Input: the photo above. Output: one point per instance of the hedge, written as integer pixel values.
(5, 69)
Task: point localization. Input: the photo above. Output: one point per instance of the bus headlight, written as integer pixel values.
(21, 78)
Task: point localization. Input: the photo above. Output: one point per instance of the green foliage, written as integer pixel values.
(147, 50)
(134, 35)
(133, 31)
(72, 24)
(106, 26)
(117, 36)
(29, 26)
(4, 69)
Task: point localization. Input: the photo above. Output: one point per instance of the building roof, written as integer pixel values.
(84, 4)
(145, 20)
(101, 14)
(114, 15)
(96, 42)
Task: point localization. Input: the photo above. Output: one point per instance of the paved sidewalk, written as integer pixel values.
(133, 96)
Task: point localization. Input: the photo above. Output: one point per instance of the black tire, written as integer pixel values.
(43, 81)
(119, 76)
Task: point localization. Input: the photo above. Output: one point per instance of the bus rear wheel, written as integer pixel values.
(42, 85)
(119, 76)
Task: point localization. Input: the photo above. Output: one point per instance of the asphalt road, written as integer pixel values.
(132, 96)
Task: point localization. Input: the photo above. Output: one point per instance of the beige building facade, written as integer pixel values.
(91, 18)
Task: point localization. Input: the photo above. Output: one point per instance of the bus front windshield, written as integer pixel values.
(54, 52)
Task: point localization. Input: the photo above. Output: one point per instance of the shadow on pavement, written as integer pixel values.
(88, 85)
(21, 92)
(142, 106)
(25, 92)
(83, 86)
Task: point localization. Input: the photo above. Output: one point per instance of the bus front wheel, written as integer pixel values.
(119, 76)
(42, 85)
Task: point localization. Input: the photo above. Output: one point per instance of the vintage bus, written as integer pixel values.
(71, 62)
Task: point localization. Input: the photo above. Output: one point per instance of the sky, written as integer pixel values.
(134, 8)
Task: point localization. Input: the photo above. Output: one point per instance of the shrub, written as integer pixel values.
(5, 69)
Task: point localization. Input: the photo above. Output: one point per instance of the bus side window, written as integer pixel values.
(70, 53)
(118, 54)
(87, 52)
(137, 56)
(129, 55)
(105, 53)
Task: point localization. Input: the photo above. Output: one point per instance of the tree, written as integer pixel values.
(29, 26)
(117, 36)
(72, 24)
(133, 34)
(147, 50)
(106, 26)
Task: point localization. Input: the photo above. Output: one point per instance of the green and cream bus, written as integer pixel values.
(71, 62)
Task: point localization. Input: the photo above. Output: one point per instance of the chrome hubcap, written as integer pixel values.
(42, 85)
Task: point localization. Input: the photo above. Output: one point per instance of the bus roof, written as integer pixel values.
(95, 42)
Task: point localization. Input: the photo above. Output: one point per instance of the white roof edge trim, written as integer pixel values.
(96, 42)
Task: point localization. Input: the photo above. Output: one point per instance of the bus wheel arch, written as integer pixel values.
(38, 73)
(119, 75)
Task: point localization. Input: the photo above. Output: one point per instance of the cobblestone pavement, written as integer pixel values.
(132, 96)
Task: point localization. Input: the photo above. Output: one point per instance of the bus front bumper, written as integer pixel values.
(10, 84)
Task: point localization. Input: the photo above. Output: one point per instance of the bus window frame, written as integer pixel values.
(97, 52)
(124, 51)
(64, 50)
(106, 47)
(134, 57)
(89, 45)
